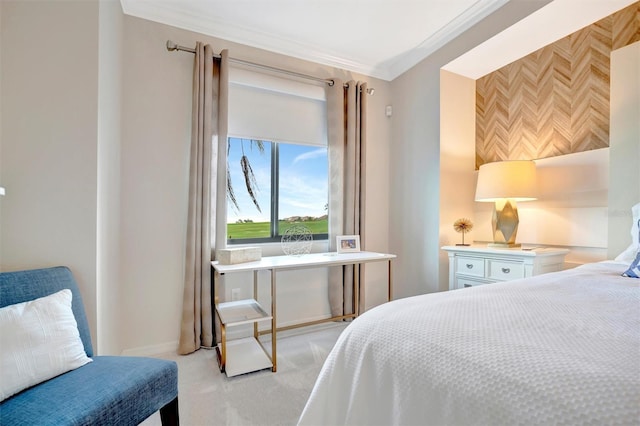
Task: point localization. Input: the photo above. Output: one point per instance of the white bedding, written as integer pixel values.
(559, 348)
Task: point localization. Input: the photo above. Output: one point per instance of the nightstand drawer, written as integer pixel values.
(504, 270)
(462, 282)
(473, 266)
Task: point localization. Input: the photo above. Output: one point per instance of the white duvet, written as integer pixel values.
(560, 348)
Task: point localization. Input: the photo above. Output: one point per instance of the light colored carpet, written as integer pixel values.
(208, 397)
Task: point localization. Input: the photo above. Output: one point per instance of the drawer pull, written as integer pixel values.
(506, 270)
(469, 265)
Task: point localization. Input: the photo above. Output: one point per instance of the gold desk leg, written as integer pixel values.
(273, 321)
(356, 289)
(255, 296)
(223, 343)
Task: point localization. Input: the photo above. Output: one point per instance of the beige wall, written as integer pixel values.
(49, 130)
(156, 111)
(457, 160)
(108, 287)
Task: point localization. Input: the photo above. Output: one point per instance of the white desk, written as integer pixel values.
(247, 309)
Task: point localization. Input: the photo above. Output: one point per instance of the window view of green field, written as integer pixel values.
(246, 230)
(301, 197)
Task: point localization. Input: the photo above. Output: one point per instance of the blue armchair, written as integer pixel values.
(111, 390)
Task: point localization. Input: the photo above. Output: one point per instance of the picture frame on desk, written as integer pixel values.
(348, 243)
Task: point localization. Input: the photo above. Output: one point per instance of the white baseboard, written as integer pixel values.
(151, 350)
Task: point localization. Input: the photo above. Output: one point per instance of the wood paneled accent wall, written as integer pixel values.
(554, 101)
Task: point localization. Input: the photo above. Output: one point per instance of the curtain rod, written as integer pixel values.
(171, 46)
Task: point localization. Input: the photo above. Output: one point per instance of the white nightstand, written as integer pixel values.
(476, 265)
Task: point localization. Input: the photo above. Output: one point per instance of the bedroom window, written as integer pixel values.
(288, 185)
(277, 148)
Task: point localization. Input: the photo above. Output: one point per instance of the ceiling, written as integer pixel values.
(379, 38)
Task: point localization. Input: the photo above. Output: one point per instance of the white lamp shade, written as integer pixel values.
(515, 180)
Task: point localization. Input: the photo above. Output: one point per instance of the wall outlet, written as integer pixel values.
(235, 294)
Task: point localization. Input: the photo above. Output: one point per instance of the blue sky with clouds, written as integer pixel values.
(303, 181)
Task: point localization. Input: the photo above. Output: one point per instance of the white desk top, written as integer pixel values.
(311, 260)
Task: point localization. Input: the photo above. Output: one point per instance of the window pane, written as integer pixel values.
(245, 220)
(301, 196)
(303, 192)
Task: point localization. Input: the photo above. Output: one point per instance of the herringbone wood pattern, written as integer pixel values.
(554, 101)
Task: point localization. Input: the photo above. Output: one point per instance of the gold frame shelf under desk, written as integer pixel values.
(282, 263)
(248, 354)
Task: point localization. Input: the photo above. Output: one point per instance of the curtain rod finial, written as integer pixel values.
(171, 46)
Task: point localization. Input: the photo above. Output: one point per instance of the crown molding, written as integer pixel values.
(180, 17)
(474, 14)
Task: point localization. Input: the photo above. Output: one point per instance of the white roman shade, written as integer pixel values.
(276, 109)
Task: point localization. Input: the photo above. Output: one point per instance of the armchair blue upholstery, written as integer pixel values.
(111, 390)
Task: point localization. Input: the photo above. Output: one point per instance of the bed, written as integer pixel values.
(558, 348)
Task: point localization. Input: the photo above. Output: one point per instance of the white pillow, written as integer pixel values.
(630, 253)
(40, 340)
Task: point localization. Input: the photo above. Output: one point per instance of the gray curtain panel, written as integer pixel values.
(346, 115)
(208, 133)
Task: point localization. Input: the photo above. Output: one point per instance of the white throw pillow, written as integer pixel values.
(630, 253)
(40, 340)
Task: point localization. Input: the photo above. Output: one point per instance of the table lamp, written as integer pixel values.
(504, 183)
